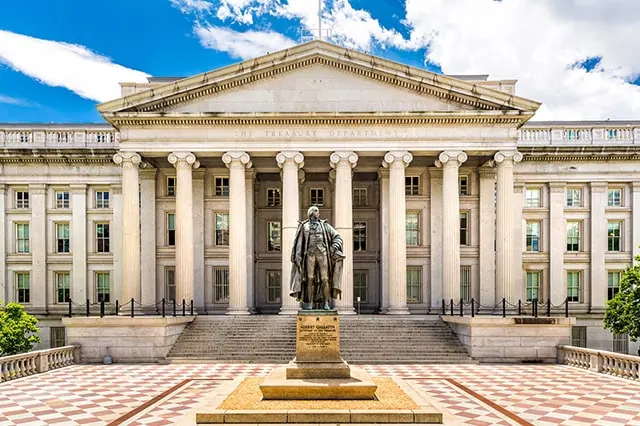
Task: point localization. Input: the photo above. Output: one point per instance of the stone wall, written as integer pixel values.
(141, 339)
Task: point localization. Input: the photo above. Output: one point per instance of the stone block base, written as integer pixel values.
(318, 370)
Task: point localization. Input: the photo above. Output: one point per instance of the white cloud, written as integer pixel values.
(72, 66)
(243, 45)
(4, 99)
(188, 6)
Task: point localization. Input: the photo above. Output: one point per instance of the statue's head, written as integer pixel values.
(313, 213)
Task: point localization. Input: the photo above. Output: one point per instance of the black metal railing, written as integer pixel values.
(132, 308)
(505, 308)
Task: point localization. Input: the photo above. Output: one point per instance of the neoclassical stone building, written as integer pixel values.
(440, 186)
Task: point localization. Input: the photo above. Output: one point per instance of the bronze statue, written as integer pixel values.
(317, 256)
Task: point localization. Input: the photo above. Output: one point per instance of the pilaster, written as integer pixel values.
(635, 219)
(198, 240)
(79, 290)
(517, 285)
(599, 283)
(435, 217)
(4, 291)
(250, 176)
(487, 237)
(148, 261)
(117, 272)
(557, 242)
(38, 229)
(383, 177)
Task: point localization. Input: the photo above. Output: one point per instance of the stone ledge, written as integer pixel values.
(125, 321)
(421, 416)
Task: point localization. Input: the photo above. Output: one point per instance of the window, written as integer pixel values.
(22, 287)
(222, 186)
(614, 197)
(613, 283)
(62, 287)
(464, 228)
(463, 185)
(465, 283)
(273, 197)
(621, 343)
(533, 286)
(22, 237)
(359, 236)
(274, 287)
(574, 197)
(414, 284)
(317, 197)
(62, 238)
(273, 236)
(171, 187)
(532, 197)
(103, 286)
(22, 200)
(533, 236)
(359, 197)
(102, 199)
(573, 236)
(573, 286)
(412, 222)
(171, 229)
(579, 336)
(221, 285)
(169, 284)
(222, 229)
(613, 236)
(102, 237)
(360, 286)
(412, 185)
(62, 199)
(58, 337)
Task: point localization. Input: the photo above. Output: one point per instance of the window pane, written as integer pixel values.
(273, 197)
(614, 197)
(222, 186)
(463, 228)
(412, 229)
(221, 285)
(414, 285)
(533, 236)
(103, 289)
(360, 286)
(274, 287)
(613, 239)
(465, 283)
(222, 229)
(533, 286)
(273, 236)
(573, 236)
(573, 286)
(533, 197)
(359, 236)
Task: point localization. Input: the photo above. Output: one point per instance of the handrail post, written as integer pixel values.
(519, 307)
(70, 309)
(451, 303)
(504, 307)
(132, 307)
(163, 307)
(102, 308)
(473, 307)
(174, 307)
(183, 308)
(566, 307)
(191, 307)
(117, 307)
(535, 301)
(548, 306)
(88, 312)
(444, 307)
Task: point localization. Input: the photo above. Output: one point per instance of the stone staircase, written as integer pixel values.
(364, 339)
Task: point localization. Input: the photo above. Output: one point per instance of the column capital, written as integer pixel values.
(598, 186)
(78, 188)
(635, 186)
(290, 158)
(183, 159)
(127, 158)
(397, 158)
(148, 173)
(518, 186)
(37, 188)
(116, 188)
(451, 158)
(236, 158)
(346, 158)
(502, 156)
(2, 188)
(383, 173)
(486, 173)
(557, 187)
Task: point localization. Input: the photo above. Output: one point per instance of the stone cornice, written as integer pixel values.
(581, 157)
(51, 159)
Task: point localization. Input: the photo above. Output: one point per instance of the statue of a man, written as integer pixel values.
(317, 262)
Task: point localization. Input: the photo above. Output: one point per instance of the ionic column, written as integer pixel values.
(396, 162)
(450, 162)
(148, 236)
(184, 162)
(250, 176)
(130, 225)
(487, 237)
(343, 162)
(198, 240)
(383, 177)
(290, 162)
(505, 247)
(435, 225)
(237, 162)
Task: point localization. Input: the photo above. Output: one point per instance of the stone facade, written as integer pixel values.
(440, 186)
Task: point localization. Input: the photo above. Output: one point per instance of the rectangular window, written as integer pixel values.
(412, 185)
(274, 287)
(102, 237)
(22, 237)
(171, 187)
(579, 336)
(613, 283)
(221, 285)
(359, 236)
(103, 286)
(463, 185)
(62, 238)
(533, 236)
(102, 199)
(273, 197)
(360, 286)
(317, 197)
(169, 284)
(58, 337)
(273, 236)
(222, 229)
(621, 343)
(573, 286)
(62, 199)
(574, 197)
(573, 236)
(171, 229)
(222, 186)
(63, 281)
(22, 199)
(414, 284)
(532, 197)
(464, 228)
(613, 236)
(412, 221)
(465, 283)
(22, 287)
(359, 197)
(533, 286)
(614, 197)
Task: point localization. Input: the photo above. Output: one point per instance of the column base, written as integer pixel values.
(238, 311)
(398, 311)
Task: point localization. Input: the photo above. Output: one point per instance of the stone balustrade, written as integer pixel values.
(560, 134)
(27, 364)
(42, 137)
(615, 364)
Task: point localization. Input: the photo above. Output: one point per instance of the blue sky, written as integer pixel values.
(58, 59)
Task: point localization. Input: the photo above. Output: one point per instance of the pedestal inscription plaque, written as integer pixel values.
(318, 337)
